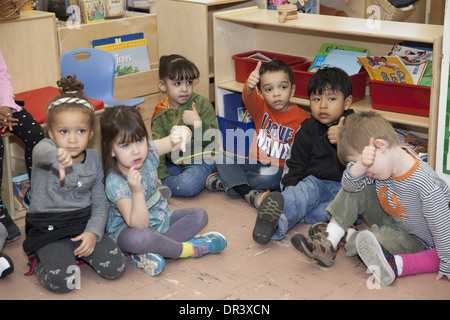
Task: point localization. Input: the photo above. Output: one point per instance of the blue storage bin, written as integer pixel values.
(237, 136)
(233, 106)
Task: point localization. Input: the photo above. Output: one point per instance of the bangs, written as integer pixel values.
(182, 70)
(132, 134)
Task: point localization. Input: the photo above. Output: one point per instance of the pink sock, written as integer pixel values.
(421, 262)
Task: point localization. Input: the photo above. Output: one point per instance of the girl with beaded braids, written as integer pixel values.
(69, 209)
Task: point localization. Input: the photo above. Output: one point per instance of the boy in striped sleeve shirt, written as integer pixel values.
(401, 197)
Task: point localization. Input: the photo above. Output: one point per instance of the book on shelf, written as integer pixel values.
(427, 74)
(326, 48)
(416, 60)
(345, 60)
(417, 144)
(91, 10)
(386, 68)
(410, 55)
(259, 57)
(129, 51)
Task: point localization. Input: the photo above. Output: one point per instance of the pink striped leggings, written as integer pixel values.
(184, 225)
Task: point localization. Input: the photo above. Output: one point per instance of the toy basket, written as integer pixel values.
(9, 9)
(391, 13)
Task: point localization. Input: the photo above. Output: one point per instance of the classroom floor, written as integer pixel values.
(245, 270)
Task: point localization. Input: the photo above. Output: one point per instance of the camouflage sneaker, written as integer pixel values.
(255, 197)
(317, 247)
(321, 227)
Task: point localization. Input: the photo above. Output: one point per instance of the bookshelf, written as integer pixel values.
(248, 29)
(185, 27)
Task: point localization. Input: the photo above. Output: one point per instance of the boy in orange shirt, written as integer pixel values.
(266, 96)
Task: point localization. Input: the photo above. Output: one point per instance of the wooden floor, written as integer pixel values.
(245, 270)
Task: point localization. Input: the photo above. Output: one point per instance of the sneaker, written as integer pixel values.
(152, 263)
(379, 261)
(6, 265)
(255, 197)
(12, 229)
(317, 247)
(321, 227)
(214, 183)
(211, 242)
(165, 191)
(268, 215)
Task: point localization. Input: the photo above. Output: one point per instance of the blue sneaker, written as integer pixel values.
(211, 242)
(152, 263)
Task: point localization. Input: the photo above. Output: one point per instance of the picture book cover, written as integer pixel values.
(386, 68)
(326, 48)
(410, 55)
(92, 10)
(345, 60)
(427, 73)
(131, 56)
(117, 39)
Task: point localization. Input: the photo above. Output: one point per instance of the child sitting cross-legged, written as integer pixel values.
(266, 95)
(312, 172)
(402, 198)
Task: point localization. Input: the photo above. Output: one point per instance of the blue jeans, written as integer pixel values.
(238, 171)
(306, 202)
(187, 180)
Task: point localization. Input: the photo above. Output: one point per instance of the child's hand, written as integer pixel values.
(65, 161)
(6, 119)
(191, 117)
(179, 136)
(334, 131)
(253, 78)
(368, 154)
(134, 179)
(87, 246)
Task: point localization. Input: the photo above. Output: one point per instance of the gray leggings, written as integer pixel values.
(184, 225)
(57, 269)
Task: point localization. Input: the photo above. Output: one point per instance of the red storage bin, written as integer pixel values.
(243, 66)
(399, 97)
(302, 76)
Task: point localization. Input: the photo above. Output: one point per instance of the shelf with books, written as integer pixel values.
(248, 29)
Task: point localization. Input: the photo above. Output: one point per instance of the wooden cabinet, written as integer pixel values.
(143, 84)
(185, 28)
(248, 29)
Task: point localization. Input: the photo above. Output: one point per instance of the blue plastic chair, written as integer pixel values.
(96, 71)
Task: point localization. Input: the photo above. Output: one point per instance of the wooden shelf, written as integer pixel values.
(193, 38)
(361, 105)
(249, 29)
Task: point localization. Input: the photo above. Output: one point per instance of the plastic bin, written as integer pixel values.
(236, 142)
(302, 77)
(402, 98)
(233, 105)
(243, 66)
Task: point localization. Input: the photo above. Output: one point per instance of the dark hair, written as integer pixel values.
(123, 122)
(276, 65)
(330, 78)
(176, 67)
(71, 98)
